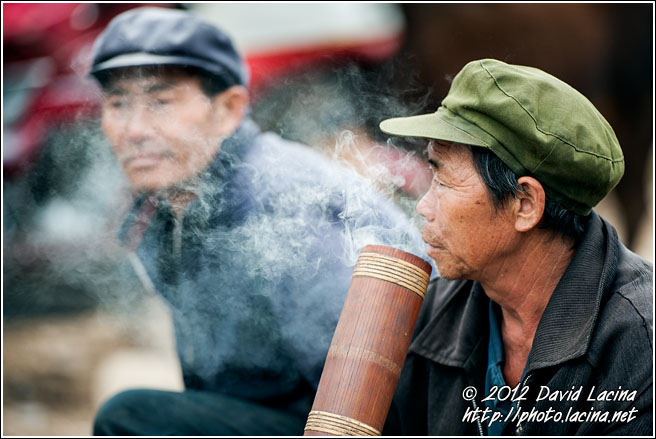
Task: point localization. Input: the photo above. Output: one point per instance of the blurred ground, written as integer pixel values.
(58, 370)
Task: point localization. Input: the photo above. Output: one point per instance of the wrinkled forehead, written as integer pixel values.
(442, 149)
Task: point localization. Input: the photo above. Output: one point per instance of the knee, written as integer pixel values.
(119, 416)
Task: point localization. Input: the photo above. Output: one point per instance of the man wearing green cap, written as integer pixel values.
(541, 321)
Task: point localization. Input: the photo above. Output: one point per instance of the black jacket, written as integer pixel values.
(595, 335)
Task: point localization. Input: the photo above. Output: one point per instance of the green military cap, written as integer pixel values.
(535, 123)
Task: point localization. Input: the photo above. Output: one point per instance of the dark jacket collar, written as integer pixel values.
(566, 326)
(221, 197)
(459, 326)
(457, 335)
(233, 150)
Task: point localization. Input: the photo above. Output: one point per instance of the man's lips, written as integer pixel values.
(435, 247)
(430, 240)
(144, 159)
(432, 243)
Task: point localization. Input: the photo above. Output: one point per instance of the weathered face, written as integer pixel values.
(465, 236)
(163, 128)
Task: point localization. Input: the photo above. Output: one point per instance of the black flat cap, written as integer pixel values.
(159, 36)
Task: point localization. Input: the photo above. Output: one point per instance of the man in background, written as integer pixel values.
(250, 239)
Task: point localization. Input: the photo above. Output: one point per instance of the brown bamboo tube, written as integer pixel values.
(370, 344)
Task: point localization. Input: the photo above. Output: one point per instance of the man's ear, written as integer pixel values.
(529, 206)
(229, 109)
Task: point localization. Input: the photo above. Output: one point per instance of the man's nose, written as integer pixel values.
(425, 207)
(138, 125)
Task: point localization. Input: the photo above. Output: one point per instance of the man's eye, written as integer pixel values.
(156, 103)
(438, 183)
(159, 104)
(116, 104)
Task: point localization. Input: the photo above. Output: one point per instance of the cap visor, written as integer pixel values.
(141, 59)
(430, 126)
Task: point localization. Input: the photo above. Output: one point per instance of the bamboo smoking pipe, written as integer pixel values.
(370, 343)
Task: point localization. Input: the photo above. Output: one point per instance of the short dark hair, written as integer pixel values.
(502, 186)
(210, 84)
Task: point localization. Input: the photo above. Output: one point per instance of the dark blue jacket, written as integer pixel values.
(257, 272)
